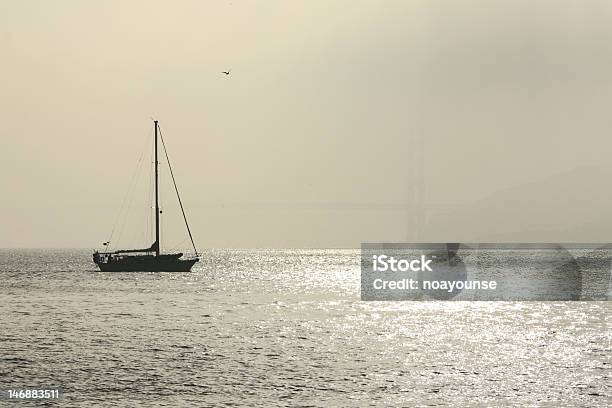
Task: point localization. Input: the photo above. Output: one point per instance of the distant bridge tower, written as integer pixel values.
(416, 189)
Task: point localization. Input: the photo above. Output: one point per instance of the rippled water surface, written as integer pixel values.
(284, 327)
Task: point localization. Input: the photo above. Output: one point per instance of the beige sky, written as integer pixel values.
(333, 113)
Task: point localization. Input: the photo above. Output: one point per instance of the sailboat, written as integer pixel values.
(150, 259)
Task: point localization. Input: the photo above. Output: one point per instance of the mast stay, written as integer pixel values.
(157, 127)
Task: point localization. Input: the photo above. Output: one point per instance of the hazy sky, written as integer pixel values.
(341, 122)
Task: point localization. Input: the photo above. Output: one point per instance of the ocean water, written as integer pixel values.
(284, 328)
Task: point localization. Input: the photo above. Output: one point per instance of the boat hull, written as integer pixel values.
(147, 264)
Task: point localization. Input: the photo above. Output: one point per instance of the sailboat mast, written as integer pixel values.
(157, 243)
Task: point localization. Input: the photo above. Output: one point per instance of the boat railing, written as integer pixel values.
(105, 257)
(191, 255)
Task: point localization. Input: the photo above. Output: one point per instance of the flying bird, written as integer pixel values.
(226, 72)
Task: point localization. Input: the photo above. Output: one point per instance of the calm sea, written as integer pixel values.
(284, 328)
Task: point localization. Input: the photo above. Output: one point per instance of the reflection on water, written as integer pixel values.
(285, 327)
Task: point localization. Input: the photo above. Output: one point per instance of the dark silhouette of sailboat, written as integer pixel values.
(149, 259)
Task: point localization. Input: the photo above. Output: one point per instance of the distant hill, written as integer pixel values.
(571, 207)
